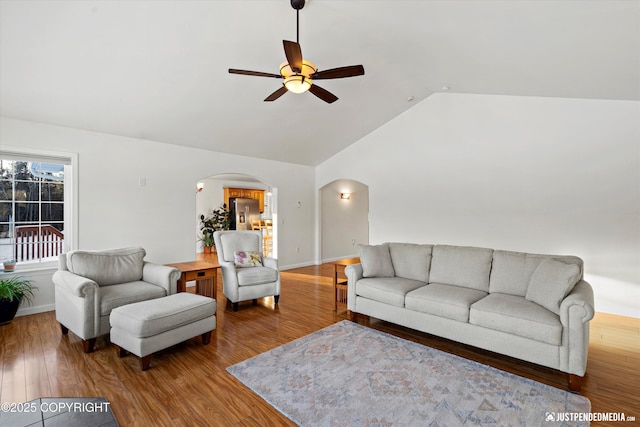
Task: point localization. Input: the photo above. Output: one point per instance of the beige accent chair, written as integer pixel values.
(245, 283)
(89, 284)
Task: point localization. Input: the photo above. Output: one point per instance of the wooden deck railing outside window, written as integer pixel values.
(35, 242)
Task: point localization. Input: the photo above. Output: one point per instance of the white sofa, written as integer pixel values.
(528, 306)
(89, 284)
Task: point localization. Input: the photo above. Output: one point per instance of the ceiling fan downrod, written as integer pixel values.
(297, 5)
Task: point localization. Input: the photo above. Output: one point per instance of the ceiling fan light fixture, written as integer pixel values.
(298, 82)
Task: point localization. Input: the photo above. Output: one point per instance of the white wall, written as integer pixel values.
(344, 222)
(115, 211)
(542, 175)
(206, 200)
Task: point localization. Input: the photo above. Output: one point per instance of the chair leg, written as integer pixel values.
(206, 338)
(88, 345)
(64, 329)
(575, 383)
(276, 298)
(235, 306)
(146, 361)
(121, 351)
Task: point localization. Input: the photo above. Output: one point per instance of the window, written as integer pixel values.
(34, 207)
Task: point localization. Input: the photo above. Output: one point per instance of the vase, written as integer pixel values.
(207, 250)
(8, 310)
(9, 266)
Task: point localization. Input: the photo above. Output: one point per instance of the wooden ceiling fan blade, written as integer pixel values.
(293, 52)
(254, 73)
(277, 94)
(323, 94)
(339, 73)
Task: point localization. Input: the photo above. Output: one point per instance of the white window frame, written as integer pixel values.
(70, 196)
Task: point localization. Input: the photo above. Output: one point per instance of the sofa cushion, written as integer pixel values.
(390, 290)
(551, 282)
(511, 271)
(411, 261)
(247, 258)
(376, 261)
(127, 293)
(461, 266)
(256, 276)
(448, 301)
(108, 267)
(518, 316)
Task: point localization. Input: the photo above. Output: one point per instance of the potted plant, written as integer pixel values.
(219, 220)
(9, 265)
(207, 242)
(12, 291)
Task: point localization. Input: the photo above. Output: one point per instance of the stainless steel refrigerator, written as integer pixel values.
(243, 211)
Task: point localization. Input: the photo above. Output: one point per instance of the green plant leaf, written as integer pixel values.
(16, 288)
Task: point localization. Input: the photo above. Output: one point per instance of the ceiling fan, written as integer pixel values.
(299, 74)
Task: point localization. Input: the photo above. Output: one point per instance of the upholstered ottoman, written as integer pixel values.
(146, 327)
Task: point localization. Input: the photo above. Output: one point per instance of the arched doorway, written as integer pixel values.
(344, 219)
(210, 195)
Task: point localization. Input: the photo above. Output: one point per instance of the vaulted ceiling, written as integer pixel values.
(158, 70)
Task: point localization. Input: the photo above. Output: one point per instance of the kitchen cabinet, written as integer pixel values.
(249, 193)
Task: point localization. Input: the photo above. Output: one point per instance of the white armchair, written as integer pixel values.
(241, 280)
(89, 284)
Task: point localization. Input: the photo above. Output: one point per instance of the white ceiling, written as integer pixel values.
(157, 70)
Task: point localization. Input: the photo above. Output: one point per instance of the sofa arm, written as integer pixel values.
(271, 263)
(229, 280)
(75, 285)
(161, 275)
(353, 273)
(575, 312)
(578, 307)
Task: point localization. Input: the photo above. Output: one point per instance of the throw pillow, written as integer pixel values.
(247, 259)
(376, 261)
(551, 282)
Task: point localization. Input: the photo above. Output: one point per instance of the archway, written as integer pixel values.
(344, 219)
(210, 196)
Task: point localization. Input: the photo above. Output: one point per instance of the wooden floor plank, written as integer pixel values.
(188, 383)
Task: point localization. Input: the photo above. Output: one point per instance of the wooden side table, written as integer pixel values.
(204, 273)
(340, 287)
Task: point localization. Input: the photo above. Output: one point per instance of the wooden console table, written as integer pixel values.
(340, 287)
(204, 273)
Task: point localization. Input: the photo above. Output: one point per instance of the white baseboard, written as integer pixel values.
(292, 266)
(35, 310)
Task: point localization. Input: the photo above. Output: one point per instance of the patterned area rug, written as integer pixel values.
(347, 374)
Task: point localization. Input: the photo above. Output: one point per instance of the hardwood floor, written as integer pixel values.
(188, 384)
